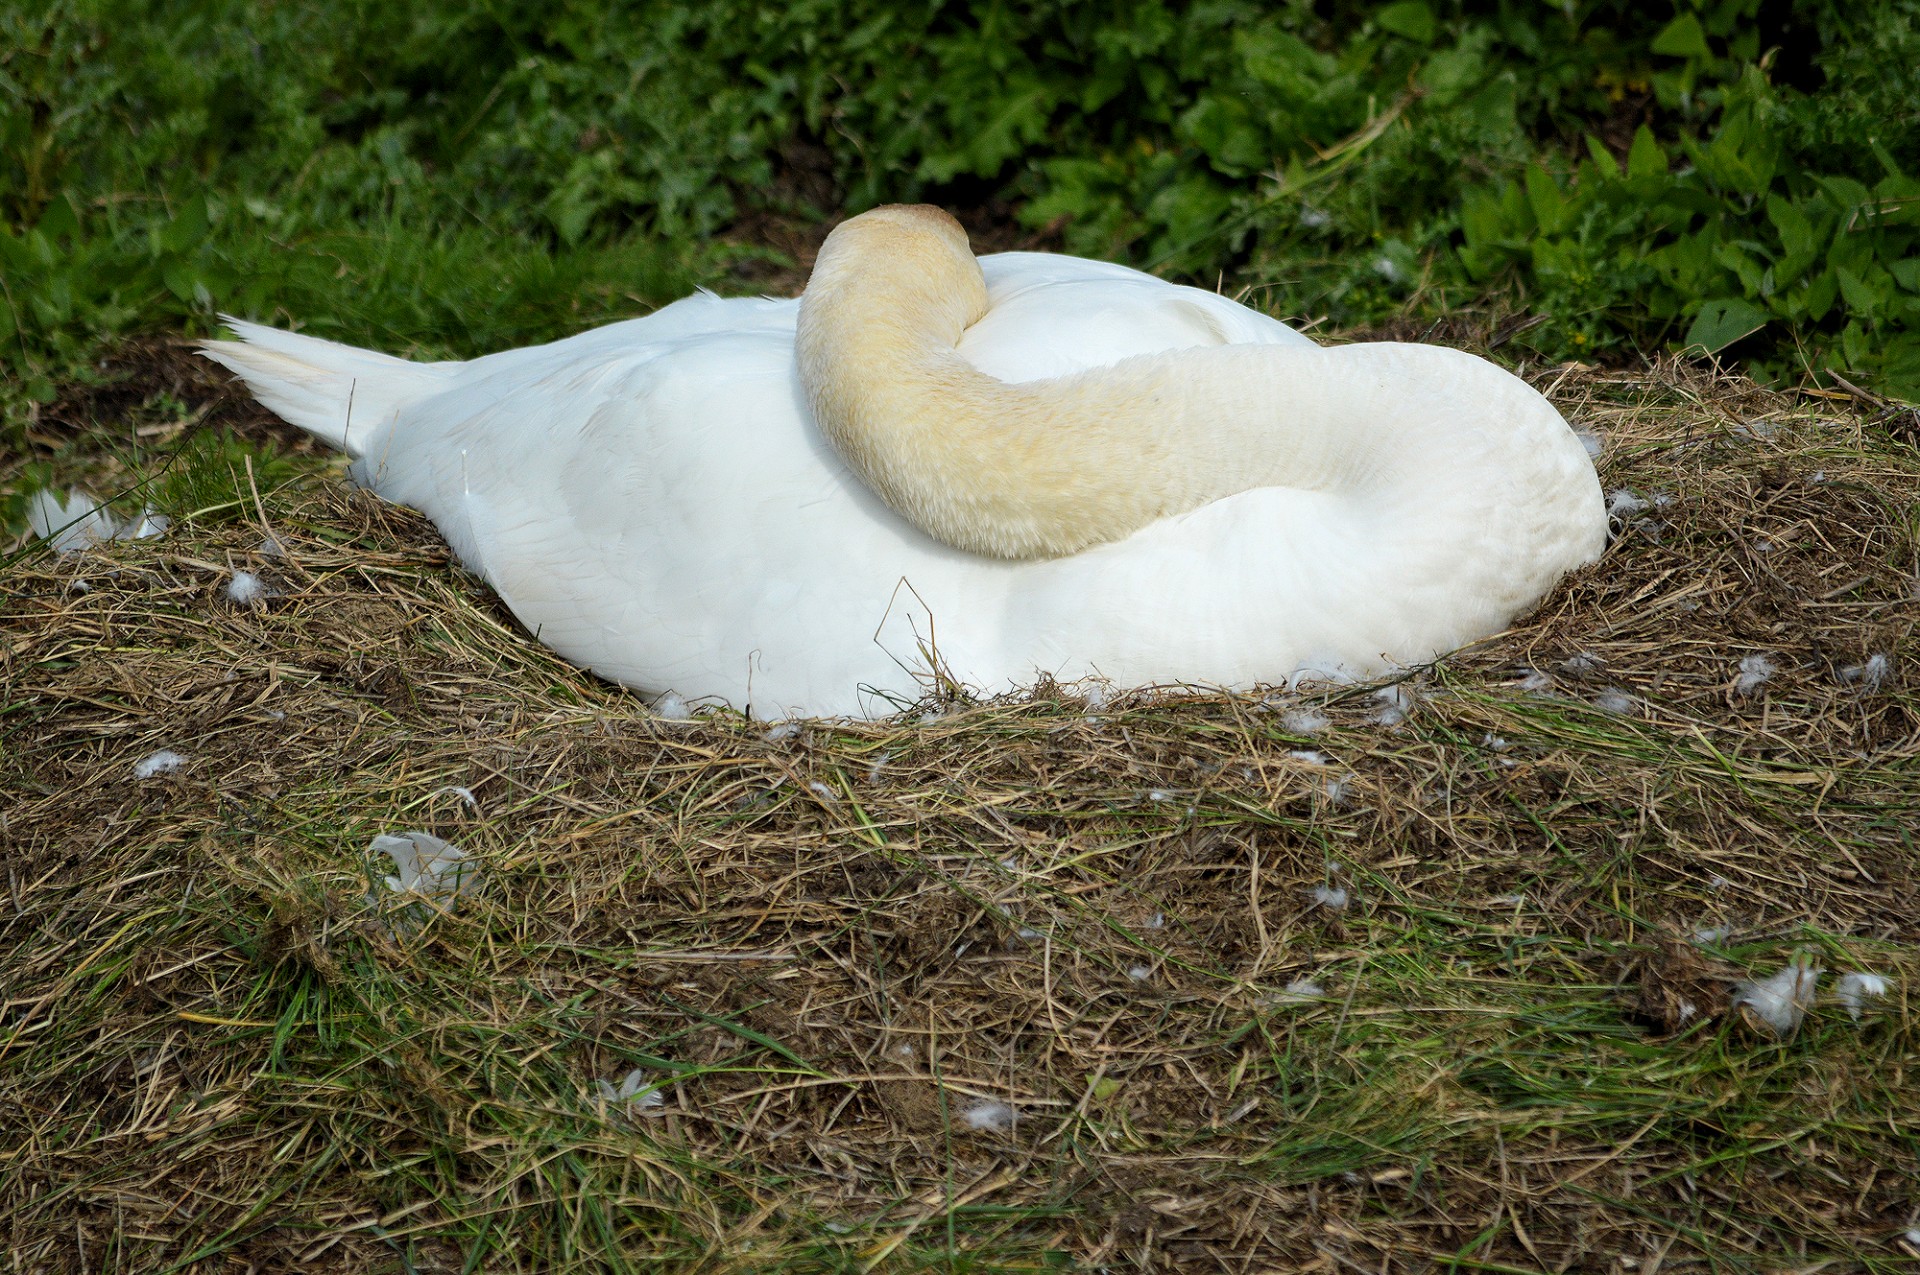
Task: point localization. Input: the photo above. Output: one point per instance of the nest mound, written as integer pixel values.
(1358, 976)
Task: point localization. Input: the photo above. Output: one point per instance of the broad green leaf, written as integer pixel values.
(1735, 258)
(1855, 344)
(179, 278)
(1720, 323)
(1411, 18)
(1796, 231)
(1480, 220)
(1821, 294)
(1900, 369)
(1224, 128)
(16, 258)
(1864, 297)
(1691, 260)
(1602, 157)
(60, 221)
(1682, 38)
(188, 226)
(40, 249)
(1284, 63)
(1452, 73)
(1548, 202)
(1893, 212)
(1645, 158)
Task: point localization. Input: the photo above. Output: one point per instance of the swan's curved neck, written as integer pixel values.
(1046, 468)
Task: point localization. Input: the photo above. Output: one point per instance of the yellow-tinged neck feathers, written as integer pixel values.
(1032, 470)
(1047, 468)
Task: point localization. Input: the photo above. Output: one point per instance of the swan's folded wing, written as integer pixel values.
(1046, 314)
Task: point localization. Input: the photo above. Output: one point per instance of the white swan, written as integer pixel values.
(654, 500)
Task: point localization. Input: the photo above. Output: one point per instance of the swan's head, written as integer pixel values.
(904, 267)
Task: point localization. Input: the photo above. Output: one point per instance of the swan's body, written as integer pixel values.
(653, 500)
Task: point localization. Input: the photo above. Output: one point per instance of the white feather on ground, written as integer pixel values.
(1300, 991)
(143, 525)
(75, 523)
(1331, 897)
(1395, 703)
(1096, 696)
(990, 1117)
(633, 1093)
(1754, 671)
(1779, 1003)
(1614, 700)
(1854, 990)
(438, 870)
(246, 588)
(164, 762)
(1303, 721)
(78, 522)
(1622, 503)
(1870, 675)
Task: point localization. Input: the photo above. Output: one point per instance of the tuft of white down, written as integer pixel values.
(1853, 991)
(1331, 897)
(246, 588)
(1754, 671)
(1623, 503)
(1300, 991)
(1871, 674)
(1779, 1003)
(1304, 721)
(164, 762)
(1614, 700)
(990, 1117)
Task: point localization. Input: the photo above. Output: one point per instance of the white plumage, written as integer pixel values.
(1780, 1002)
(1754, 672)
(653, 500)
(245, 588)
(1854, 990)
(78, 522)
(164, 762)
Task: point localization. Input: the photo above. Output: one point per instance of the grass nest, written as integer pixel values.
(1441, 972)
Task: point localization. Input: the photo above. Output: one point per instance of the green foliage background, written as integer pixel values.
(1736, 174)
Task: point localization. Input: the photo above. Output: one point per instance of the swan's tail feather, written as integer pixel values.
(345, 397)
